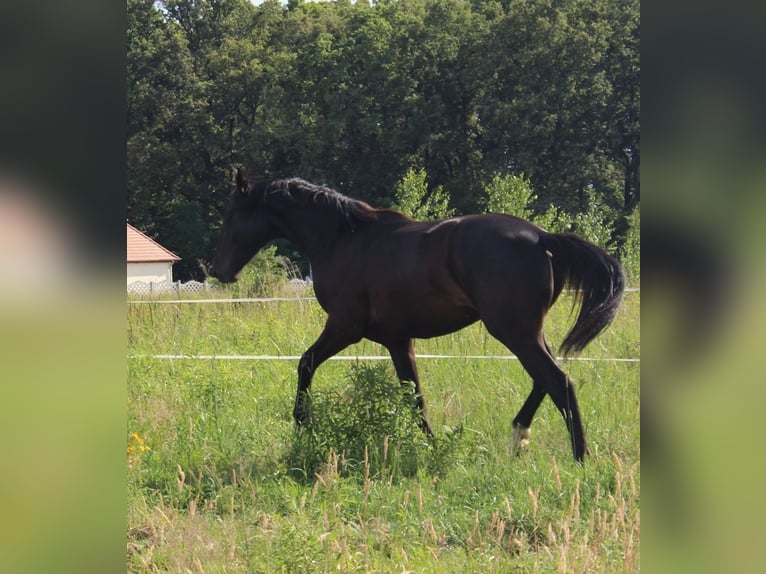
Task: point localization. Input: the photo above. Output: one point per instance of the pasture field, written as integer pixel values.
(219, 479)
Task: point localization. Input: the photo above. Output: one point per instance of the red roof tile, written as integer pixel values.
(143, 249)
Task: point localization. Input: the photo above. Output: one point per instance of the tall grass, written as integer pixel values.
(223, 482)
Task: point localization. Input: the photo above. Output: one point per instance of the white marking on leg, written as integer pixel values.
(520, 436)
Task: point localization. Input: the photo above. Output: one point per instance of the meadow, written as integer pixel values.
(220, 480)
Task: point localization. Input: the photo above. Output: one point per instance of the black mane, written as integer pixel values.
(352, 210)
(353, 213)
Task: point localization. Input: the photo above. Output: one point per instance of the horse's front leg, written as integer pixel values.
(332, 341)
(403, 356)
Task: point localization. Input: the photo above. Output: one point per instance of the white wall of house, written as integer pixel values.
(160, 272)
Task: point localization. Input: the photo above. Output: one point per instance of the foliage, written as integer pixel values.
(353, 95)
(555, 220)
(371, 428)
(594, 222)
(261, 276)
(413, 198)
(630, 251)
(509, 194)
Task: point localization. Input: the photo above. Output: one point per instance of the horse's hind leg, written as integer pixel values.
(523, 420)
(403, 357)
(535, 356)
(541, 365)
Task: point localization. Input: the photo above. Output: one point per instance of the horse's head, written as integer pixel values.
(246, 229)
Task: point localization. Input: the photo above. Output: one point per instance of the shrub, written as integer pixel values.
(371, 428)
(595, 223)
(630, 250)
(510, 194)
(261, 276)
(413, 198)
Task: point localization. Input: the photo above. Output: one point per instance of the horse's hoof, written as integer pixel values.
(520, 438)
(304, 420)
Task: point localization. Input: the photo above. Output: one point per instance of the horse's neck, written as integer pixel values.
(313, 236)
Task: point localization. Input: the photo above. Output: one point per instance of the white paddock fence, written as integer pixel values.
(142, 288)
(158, 288)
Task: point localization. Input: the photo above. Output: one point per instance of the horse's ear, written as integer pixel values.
(241, 179)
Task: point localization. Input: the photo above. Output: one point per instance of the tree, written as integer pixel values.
(550, 107)
(178, 156)
(353, 95)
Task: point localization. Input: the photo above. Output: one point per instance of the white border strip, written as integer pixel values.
(363, 358)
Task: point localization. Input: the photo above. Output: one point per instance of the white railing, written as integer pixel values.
(156, 288)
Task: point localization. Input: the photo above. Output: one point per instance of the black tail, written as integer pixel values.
(597, 279)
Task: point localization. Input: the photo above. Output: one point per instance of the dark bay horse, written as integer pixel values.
(387, 278)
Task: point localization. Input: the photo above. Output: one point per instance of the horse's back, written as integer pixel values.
(460, 253)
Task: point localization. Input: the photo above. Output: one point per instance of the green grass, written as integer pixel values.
(225, 483)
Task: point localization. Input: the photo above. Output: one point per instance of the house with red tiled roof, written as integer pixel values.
(148, 261)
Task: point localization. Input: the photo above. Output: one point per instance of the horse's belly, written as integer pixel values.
(421, 321)
(425, 326)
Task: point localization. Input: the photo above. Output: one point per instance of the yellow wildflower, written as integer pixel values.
(136, 447)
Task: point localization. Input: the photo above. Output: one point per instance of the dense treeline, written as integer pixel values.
(357, 96)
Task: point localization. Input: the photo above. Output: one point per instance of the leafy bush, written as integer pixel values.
(510, 194)
(260, 277)
(595, 223)
(413, 198)
(555, 220)
(630, 250)
(370, 428)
